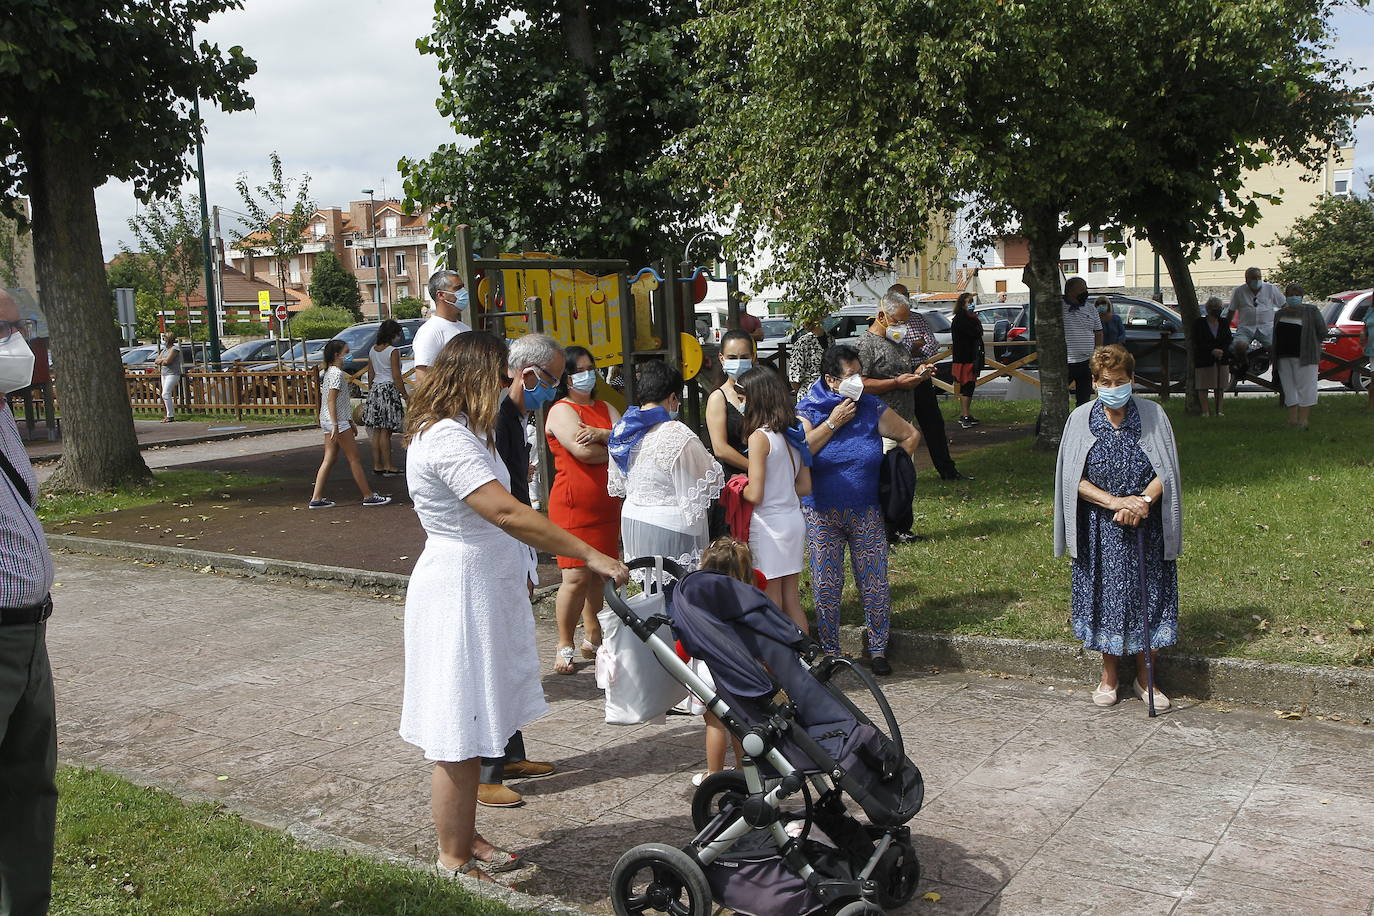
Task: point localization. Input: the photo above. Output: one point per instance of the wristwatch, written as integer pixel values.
(1147, 499)
(832, 426)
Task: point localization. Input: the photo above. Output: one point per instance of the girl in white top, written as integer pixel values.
(335, 420)
(384, 411)
(779, 474)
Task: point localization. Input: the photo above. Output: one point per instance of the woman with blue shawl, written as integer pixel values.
(665, 474)
(845, 429)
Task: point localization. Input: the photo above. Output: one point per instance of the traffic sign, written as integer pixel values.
(264, 304)
(280, 311)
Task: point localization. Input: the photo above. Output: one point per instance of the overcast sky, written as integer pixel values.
(342, 95)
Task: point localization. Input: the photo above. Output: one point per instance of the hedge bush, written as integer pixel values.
(318, 321)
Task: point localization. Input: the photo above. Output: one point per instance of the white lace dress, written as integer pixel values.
(671, 481)
(472, 675)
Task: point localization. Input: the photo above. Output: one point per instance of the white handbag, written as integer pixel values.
(638, 688)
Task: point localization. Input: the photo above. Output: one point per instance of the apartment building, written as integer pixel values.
(387, 249)
(1214, 273)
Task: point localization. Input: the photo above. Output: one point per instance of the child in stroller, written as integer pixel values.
(774, 838)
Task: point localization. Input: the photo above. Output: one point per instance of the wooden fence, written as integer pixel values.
(262, 389)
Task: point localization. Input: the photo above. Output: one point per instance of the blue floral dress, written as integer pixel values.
(1106, 584)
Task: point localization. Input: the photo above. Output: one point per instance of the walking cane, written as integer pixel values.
(1145, 618)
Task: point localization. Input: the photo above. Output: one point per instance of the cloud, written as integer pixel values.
(342, 94)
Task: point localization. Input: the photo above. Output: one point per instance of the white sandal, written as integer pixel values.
(563, 661)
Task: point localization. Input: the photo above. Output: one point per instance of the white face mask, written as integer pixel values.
(16, 363)
(583, 381)
(851, 387)
(895, 333)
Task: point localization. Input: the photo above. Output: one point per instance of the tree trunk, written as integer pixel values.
(577, 34)
(1045, 237)
(100, 448)
(1171, 253)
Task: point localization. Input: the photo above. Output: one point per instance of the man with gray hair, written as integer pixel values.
(449, 296)
(535, 363)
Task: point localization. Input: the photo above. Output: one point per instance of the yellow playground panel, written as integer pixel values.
(576, 308)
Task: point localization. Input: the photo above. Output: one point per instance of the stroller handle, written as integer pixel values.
(642, 628)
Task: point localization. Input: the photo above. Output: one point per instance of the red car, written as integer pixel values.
(1345, 313)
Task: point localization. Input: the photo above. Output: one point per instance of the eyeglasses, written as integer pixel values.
(553, 379)
(25, 326)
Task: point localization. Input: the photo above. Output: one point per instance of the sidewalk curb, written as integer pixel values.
(196, 440)
(1311, 689)
(315, 838)
(291, 570)
(1347, 692)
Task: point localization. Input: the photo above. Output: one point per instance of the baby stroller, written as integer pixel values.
(774, 838)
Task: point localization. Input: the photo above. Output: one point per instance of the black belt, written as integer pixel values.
(34, 613)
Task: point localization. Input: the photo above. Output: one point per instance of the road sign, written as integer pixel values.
(280, 311)
(264, 304)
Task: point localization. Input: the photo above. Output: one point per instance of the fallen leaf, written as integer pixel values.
(1262, 626)
(1326, 801)
(931, 896)
(222, 778)
(1357, 628)
(1261, 527)
(981, 537)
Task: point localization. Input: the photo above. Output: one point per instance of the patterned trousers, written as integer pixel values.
(827, 533)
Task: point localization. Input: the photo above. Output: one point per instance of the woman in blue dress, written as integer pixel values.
(1117, 508)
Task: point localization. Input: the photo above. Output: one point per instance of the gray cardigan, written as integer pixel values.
(1156, 441)
(1314, 331)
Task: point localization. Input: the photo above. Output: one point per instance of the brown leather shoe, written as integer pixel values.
(498, 797)
(527, 769)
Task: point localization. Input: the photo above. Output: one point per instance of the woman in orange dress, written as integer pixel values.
(578, 428)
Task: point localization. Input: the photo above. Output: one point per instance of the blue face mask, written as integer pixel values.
(1115, 397)
(539, 395)
(672, 414)
(1295, 301)
(583, 381)
(735, 367)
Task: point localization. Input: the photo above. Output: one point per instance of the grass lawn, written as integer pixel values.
(1277, 562)
(292, 418)
(55, 509)
(126, 850)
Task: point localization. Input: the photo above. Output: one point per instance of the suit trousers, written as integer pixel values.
(493, 768)
(28, 768)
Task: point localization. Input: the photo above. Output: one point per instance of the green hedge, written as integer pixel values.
(318, 321)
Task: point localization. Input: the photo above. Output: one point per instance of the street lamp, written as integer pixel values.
(376, 260)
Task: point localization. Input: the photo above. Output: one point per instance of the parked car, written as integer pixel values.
(303, 355)
(1345, 313)
(361, 337)
(255, 351)
(776, 331)
(135, 356)
(845, 325)
(1145, 322)
(711, 324)
(140, 359)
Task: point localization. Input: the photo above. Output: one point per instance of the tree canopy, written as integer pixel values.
(279, 211)
(92, 90)
(1331, 249)
(168, 234)
(561, 109)
(334, 287)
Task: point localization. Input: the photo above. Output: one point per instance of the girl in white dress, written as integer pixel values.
(779, 474)
(472, 673)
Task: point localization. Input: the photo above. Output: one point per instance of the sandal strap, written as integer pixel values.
(463, 869)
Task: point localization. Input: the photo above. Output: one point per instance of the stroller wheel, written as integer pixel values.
(717, 792)
(657, 878)
(897, 875)
(860, 908)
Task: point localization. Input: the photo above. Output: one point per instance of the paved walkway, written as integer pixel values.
(282, 699)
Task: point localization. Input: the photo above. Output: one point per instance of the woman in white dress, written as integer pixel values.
(666, 476)
(779, 474)
(472, 675)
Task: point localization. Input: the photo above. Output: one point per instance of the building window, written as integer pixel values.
(1340, 182)
(1001, 286)
(391, 222)
(1097, 265)
(402, 292)
(365, 259)
(1097, 237)
(424, 256)
(400, 263)
(318, 229)
(1218, 251)
(1069, 267)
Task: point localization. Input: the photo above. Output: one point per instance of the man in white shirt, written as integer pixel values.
(1254, 302)
(449, 297)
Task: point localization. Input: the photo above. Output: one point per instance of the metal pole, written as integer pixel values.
(211, 312)
(376, 258)
(1159, 293)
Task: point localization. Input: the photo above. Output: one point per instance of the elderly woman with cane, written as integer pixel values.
(1118, 514)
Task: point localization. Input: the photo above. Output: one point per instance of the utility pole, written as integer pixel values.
(376, 259)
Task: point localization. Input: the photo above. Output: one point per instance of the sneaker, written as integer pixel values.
(966, 423)
(498, 796)
(321, 504)
(376, 499)
(527, 769)
(972, 420)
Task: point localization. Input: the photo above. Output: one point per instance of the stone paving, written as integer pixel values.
(283, 701)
